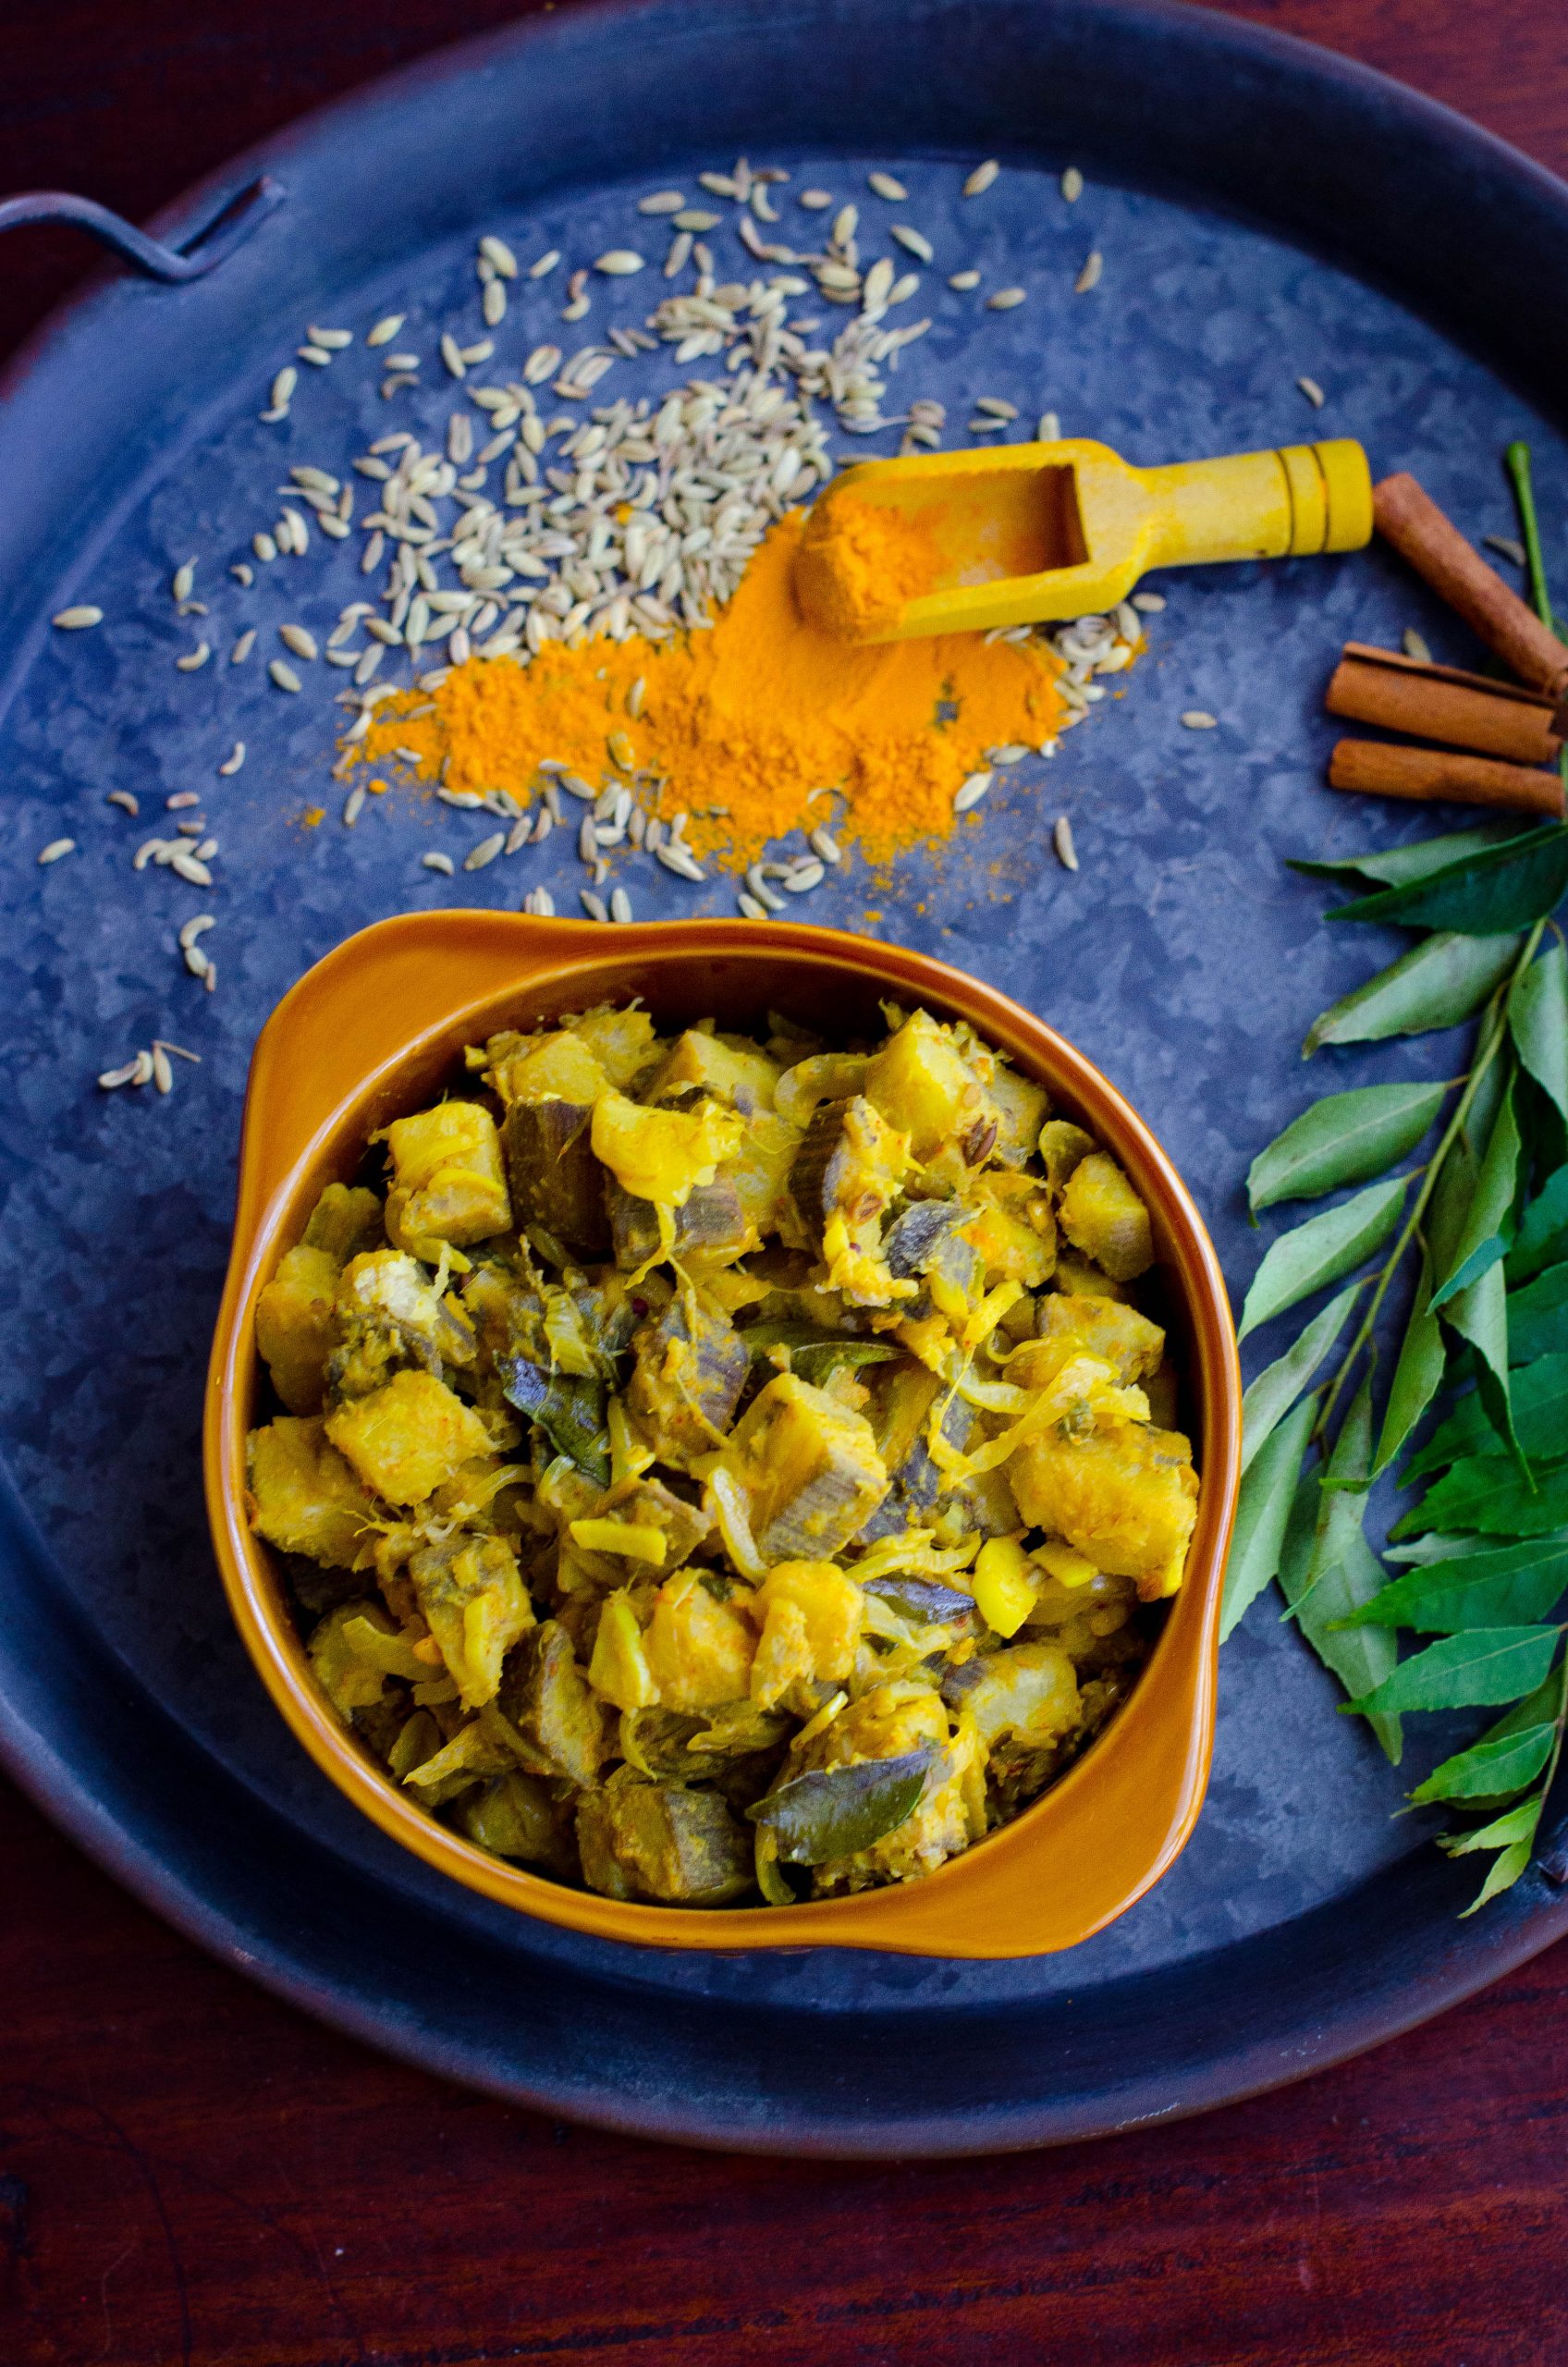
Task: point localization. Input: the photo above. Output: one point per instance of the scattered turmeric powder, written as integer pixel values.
(738, 725)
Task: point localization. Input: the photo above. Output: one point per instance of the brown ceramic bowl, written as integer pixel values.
(371, 1031)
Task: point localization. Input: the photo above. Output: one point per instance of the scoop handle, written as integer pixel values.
(1295, 502)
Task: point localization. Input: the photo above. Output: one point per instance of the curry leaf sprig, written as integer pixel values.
(1476, 1231)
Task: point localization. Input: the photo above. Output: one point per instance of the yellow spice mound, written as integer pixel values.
(860, 565)
(753, 716)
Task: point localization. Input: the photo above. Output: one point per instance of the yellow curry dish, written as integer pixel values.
(719, 1469)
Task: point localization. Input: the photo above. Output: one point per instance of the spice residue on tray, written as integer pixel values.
(742, 725)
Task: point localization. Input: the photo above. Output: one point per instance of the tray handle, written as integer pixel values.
(200, 252)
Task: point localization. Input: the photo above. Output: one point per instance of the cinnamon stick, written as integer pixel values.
(1381, 770)
(1399, 693)
(1409, 519)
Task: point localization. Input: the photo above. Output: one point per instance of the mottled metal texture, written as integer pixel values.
(1182, 957)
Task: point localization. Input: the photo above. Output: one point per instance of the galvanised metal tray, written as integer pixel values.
(1265, 214)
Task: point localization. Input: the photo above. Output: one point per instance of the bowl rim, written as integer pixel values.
(325, 1055)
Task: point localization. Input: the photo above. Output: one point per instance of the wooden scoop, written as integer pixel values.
(963, 541)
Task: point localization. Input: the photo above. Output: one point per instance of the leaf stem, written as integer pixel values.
(1556, 1740)
(1517, 460)
(1493, 1034)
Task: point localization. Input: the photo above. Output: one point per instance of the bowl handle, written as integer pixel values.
(362, 1006)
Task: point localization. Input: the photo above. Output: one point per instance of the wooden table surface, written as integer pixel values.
(189, 2172)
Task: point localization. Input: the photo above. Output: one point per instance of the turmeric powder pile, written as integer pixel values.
(742, 727)
(860, 564)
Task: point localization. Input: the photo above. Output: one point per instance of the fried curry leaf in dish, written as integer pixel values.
(568, 1408)
(719, 1470)
(833, 1815)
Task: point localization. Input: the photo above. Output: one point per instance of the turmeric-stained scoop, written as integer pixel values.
(962, 542)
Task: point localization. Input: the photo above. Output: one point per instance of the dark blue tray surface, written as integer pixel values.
(1301, 1921)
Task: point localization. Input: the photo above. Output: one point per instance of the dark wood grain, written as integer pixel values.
(189, 2172)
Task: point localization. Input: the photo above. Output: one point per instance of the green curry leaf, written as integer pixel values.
(1356, 1657)
(1537, 1317)
(1345, 1138)
(1485, 1664)
(1331, 1573)
(1275, 1391)
(1537, 1015)
(1397, 866)
(1509, 1586)
(1504, 1870)
(1479, 1314)
(1418, 1374)
(1502, 887)
(1512, 1834)
(1488, 1770)
(1500, 1762)
(1489, 1494)
(1542, 1237)
(1481, 1242)
(1448, 1208)
(1515, 1828)
(1322, 1251)
(1418, 1553)
(1438, 983)
(1263, 1511)
(1539, 1397)
(837, 1811)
